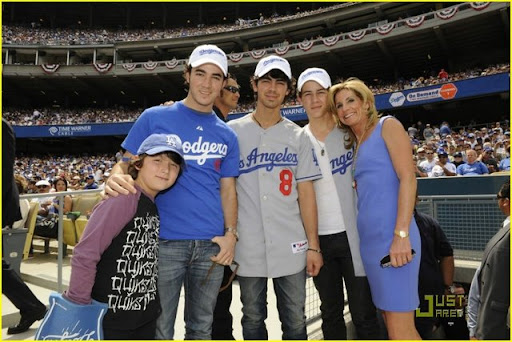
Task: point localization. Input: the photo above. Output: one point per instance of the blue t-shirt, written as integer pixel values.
(191, 209)
(477, 168)
(505, 164)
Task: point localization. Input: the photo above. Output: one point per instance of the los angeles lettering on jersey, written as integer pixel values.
(200, 151)
(267, 160)
(342, 163)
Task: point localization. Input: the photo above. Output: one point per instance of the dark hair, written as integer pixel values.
(56, 180)
(136, 165)
(505, 190)
(277, 75)
(230, 76)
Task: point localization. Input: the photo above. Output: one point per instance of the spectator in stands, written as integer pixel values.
(60, 185)
(487, 157)
(45, 203)
(445, 130)
(336, 219)
(457, 159)
(90, 183)
(493, 318)
(472, 140)
(428, 133)
(443, 75)
(505, 162)
(75, 183)
(412, 131)
(421, 153)
(472, 166)
(443, 167)
(428, 164)
(21, 184)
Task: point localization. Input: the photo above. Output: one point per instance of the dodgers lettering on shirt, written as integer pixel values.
(342, 163)
(203, 150)
(191, 209)
(267, 160)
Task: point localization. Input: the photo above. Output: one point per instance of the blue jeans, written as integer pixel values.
(187, 262)
(338, 267)
(291, 296)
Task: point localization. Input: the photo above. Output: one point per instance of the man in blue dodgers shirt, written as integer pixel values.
(198, 214)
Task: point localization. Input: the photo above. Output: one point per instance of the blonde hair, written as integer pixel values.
(364, 94)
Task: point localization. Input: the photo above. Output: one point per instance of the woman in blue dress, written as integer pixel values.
(386, 186)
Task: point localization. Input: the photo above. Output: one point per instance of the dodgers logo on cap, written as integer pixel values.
(273, 62)
(209, 54)
(158, 143)
(318, 75)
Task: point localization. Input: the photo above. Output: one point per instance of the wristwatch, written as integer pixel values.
(402, 233)
(232, 231)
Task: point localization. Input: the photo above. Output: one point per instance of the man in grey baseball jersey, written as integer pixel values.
(277, 221)
(337, 229)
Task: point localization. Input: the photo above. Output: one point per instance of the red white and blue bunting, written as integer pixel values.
(236, 57)
(102, 67)
(415, 21)
(305, 45)
(150, 65)
(447, 13)
(479, 5)
(129, 66)
(171, 64)
(257, 54)
(50, 68)
(357, 35)
(282, 50)
(386, 28)
(330, 41)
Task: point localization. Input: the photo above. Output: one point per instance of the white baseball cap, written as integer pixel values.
(271, 63)
(318, 75)
(43, 182)
(209, 54)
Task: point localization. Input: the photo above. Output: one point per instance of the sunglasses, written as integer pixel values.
(498, 196)
(232, 89)
(231, 278)
(42, 186)
(430, 153)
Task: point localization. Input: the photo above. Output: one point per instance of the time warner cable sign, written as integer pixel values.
(69, 131)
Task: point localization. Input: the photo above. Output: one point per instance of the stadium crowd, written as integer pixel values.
(60, 116)
(34, 33)
(434, 149)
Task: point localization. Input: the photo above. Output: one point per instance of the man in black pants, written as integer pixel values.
(13, 287)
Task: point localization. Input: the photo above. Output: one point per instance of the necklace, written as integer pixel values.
(254, 118)
(322, 149)
(354, 161)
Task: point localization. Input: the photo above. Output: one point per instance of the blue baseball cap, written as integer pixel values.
(158, 143)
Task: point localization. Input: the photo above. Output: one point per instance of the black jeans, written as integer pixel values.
(18, 292)
(338, 267)
(222, 327)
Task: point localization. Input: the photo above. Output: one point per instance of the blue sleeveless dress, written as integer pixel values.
(393, 289)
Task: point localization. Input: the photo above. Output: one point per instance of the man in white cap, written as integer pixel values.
(277, 218)
(337, 229)
(198, 214)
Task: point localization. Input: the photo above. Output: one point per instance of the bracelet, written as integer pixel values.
(315, 250)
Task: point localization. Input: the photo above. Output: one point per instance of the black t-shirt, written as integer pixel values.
(434, 246)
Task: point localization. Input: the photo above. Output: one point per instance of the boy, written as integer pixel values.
(116, 259)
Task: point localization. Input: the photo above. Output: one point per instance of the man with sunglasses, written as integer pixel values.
(428, 164)
(228, 98)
